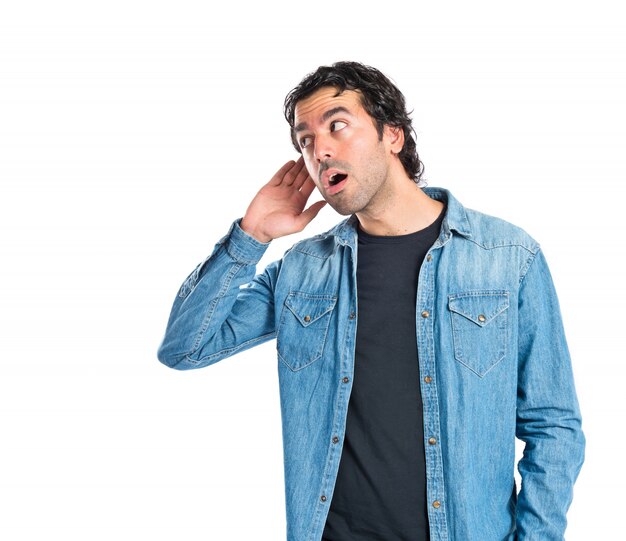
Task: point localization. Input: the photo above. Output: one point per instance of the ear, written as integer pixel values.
(395, 138)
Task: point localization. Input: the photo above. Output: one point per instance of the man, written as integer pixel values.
(416, 339)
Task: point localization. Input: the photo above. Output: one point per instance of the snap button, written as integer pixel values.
(436, 504)
(323, 498)
(482, 318)
(346, 379)
(428, 379)
(352, 315)
(432, 441)
(429, 257)
(425, 313)
(307, 318)
(335, 439)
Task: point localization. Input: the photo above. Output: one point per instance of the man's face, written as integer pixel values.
(341, 149)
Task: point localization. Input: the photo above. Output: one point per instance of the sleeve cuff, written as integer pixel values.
(242, 247)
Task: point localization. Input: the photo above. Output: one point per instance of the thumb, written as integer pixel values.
(307, 216)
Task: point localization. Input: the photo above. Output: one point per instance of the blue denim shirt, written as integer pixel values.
(492, 355)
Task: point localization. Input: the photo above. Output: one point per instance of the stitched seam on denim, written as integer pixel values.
(526, 268)
(238, 253)
(282, 319)
(246, 237)
(318, 256)
(506, 244)
(191, 281)
(313, 295)
(327, 472)
(456, 339)
(213, 306)
(439, 517)
(228, 351)
(504, 327)
(294, 311)
(458, 351)
(300, 367)
(478, 293)
(301, 246)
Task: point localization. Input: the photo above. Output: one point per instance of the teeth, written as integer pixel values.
(336, 178)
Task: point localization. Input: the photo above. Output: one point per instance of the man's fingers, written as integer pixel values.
(307, 187)
(301, 178)
(310, 213)
(294, 172)
(280, 174)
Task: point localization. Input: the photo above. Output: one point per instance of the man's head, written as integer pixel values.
(379, 97)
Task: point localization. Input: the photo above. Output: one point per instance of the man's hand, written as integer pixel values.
(278, 208)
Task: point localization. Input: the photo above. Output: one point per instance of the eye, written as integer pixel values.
(337, 125)
(305, 141)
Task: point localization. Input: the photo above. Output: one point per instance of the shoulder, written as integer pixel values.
(478, 227)
(492, 232)
(325, 244)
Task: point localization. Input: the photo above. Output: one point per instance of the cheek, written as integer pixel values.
(353, 148)
(364, 144)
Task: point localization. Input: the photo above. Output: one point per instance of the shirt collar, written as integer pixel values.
(455, 218)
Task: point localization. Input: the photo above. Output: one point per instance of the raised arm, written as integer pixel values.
(222, 307)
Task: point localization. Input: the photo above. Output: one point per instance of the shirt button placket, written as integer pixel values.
(432, 441)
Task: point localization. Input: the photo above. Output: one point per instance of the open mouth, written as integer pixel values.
(337, 178)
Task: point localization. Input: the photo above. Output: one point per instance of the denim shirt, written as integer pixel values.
(492, 354)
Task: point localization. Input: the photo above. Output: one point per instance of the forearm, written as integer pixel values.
(548, 414)
(553, 456)
(196, 333)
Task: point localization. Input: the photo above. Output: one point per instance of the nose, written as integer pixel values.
(324, 148)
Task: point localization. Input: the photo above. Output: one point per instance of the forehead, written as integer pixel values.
(324, 99)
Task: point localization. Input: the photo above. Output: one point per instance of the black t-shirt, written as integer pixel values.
(380, 493)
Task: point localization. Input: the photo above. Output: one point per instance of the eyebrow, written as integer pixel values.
(325, 116)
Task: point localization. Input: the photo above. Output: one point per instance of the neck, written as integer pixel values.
(403, 208)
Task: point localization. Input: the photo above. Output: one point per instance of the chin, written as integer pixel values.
(343, 210)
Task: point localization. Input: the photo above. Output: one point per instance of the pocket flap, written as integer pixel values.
(307, 307)
(479, 306)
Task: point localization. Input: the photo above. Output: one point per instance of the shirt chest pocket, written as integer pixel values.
(479, 328)
(303, 328)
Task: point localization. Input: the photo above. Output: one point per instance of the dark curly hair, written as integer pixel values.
(380, 98)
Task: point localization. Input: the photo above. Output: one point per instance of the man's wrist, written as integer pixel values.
(252, 232)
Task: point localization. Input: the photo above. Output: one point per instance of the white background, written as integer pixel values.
(131, 135)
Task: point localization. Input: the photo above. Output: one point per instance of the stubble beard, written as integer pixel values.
(367, 191)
